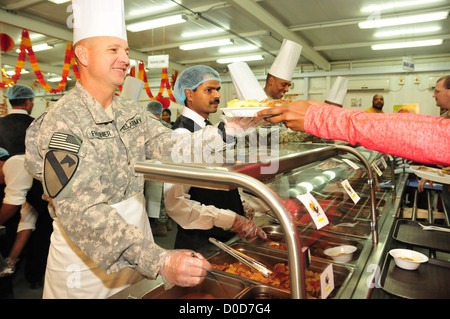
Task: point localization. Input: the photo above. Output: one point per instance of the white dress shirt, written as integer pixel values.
(188, 213)
(18, 182)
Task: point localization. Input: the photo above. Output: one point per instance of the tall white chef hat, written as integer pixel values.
(284, 65)
(338, 91)
(132, 88)
(96, 18)
(245, 83)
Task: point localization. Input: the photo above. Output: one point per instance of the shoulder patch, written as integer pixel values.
(65, 142)
(59, 168)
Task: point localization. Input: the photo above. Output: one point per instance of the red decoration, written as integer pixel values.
(7, 43)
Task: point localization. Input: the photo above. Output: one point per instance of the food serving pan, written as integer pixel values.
(263, 292)
(430, 281)
(271, 257)
(317, 242)
(208, 289)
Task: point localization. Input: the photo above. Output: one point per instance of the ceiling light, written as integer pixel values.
(39, 47)
(59, 1)
(207, 44)
(407, 31)
(156, 23)
(237, 49)
(57, 79)
(12, 72)
(395, 5)
(378, 23)
(240, 59)
(410, 44)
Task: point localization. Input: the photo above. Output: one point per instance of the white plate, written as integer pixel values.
(435, 177)
(242, 111)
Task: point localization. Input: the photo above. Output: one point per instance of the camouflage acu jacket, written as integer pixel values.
(86, 160)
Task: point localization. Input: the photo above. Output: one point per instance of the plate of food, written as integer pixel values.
(248, 108)
(440, 175)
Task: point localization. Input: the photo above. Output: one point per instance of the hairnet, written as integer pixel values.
(155, 107)
(191, 78)
(3, 154)
(20, 92)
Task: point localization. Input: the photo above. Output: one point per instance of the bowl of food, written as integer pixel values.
(408, 259)
(342, 253)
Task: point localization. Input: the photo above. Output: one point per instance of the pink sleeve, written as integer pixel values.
(421, 138)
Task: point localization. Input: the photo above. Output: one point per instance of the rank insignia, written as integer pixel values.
(59, 168)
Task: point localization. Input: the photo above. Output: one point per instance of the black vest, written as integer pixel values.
(196, 239)
(13, 128)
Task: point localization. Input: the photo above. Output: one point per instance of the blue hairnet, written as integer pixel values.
(191, 78)
(155, 107)
(20, 92)
(3, 152)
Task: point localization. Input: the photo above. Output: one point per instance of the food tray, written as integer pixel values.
(432, 176)
(208, 289)
(317, 242)
(242, 111)
(410, 233)
(269, 257)
(430, 281)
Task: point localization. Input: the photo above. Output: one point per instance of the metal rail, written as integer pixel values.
(374, 223)
(206, 177)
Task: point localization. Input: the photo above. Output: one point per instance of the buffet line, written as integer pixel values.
(347, 258)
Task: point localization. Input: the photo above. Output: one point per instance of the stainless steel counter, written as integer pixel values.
(361, 278)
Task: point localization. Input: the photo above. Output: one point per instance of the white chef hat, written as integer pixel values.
(132, 88)
(338, 91)
(287, 59)
(96, 18)
(245, 83)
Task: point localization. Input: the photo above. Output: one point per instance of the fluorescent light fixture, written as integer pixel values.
(427, 17)
(406, 31)
(39, 47)
(236, 48)
(59, 1)
(240, 59)
(395, 5)
(157, 23)
(196, 34)
(410, 44)
(207, 44)
(57, 79)
(12, 72)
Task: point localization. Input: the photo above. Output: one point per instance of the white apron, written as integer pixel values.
(70, 274)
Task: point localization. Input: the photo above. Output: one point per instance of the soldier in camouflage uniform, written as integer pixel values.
(84, 149)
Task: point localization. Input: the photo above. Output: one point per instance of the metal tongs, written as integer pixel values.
(246, 260)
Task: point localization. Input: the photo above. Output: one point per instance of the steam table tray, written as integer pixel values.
(409, 232)
(430, 281)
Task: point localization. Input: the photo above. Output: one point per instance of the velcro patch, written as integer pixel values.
(65, 142)
(59, 168)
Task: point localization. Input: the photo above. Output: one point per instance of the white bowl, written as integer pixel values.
(341, 253)
(408, 259)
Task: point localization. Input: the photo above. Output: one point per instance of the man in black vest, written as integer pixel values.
(14, 125)
(202, 213)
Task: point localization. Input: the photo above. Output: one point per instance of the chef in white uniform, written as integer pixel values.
(279, 78)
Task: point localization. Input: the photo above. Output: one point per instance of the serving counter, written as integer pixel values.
(355, 189)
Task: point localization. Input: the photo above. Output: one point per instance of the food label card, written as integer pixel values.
(326, 281)
(376, 168)
(350, 191)
(383, 161)
(351, 164)
(314, 209)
